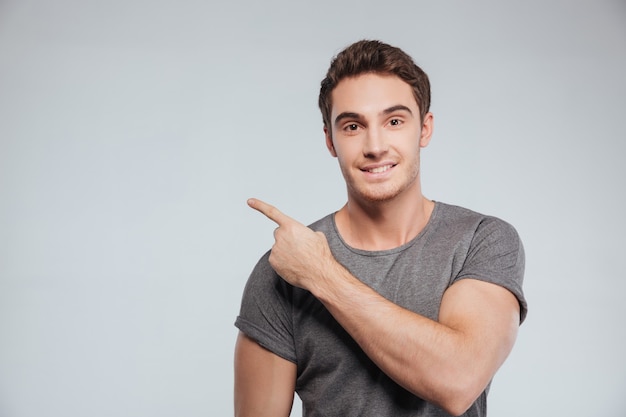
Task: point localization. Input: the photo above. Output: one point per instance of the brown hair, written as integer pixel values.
(371, 56)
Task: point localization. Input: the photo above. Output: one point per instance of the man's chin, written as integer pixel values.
(375, 196)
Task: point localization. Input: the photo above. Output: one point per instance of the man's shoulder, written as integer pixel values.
(325, 224)
(451, 213)
(459, 223)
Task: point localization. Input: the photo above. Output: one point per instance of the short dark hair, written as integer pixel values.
(372, 56)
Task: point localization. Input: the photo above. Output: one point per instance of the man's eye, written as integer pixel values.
(352, 127)
(394, 122)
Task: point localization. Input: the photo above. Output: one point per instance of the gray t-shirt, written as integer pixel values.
(334, 376)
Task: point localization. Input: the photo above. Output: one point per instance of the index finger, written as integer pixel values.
(269, 211)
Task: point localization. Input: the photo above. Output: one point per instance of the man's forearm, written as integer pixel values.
(443, 363)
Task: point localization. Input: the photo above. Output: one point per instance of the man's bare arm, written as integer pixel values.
(448, 362)
(264, 382)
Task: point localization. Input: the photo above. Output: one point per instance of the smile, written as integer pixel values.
(378, 170)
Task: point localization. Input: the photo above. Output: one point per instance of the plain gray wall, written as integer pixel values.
(132, 132)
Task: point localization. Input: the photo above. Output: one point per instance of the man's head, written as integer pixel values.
(373, 57)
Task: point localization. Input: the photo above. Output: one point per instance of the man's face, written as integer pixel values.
(376, 135)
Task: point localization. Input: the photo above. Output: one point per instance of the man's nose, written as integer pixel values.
(375, 143)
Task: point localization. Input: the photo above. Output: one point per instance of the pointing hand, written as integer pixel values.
(299, 254)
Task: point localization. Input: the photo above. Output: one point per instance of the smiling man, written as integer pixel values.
(395, 305)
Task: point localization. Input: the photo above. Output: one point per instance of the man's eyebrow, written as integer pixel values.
(347, 115)
(396, 108)
(357, 116)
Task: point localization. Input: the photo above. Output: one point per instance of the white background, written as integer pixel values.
(132, 132)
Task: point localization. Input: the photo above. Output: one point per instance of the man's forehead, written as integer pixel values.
(372, 93)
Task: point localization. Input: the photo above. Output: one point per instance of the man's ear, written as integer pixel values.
(427, 130)
(329, 142)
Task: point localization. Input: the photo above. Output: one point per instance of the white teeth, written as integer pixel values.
(379, 169)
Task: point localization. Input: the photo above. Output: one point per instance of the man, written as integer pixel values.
(395, 305)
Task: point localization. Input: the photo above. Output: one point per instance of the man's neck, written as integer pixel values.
(383, 225)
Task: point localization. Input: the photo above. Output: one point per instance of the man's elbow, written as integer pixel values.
(456, 407)
(457, 397)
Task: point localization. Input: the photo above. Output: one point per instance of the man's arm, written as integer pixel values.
(448, 362)
(264, 382)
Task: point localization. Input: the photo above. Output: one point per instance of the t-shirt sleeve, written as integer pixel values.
(265, 313)
(496, 255)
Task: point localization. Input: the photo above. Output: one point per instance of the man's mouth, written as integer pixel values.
(378, 170)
